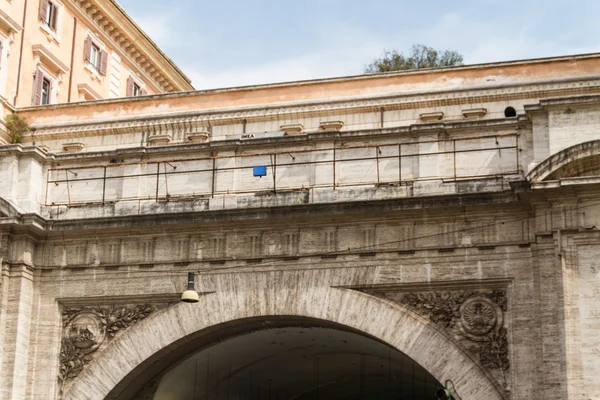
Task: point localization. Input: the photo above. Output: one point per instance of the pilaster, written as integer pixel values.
(17, 328)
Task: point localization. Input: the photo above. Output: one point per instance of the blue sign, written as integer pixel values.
(260, 171)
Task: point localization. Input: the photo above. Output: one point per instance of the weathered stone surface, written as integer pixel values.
(469, 244)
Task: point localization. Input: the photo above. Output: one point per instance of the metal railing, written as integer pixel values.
(291, 170)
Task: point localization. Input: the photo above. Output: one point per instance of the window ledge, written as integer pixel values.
(88, 92)
(89, 67)
(474, 112)
(9, 24)
(292, 129)
(331, 125)
(431, 116)
(74, 147)
(48, 59)
(198, 137)
(50, 34)
(159, 140)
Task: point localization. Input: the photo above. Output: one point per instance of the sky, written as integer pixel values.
(228, 43)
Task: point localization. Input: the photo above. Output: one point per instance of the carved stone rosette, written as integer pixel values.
(87, 329)
(474, 318)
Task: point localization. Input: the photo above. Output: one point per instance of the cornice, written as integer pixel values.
(132, 44)
(49, 59)
(192, 121)
(9, 24)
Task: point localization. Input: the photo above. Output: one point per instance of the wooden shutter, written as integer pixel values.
(38, 83)
(1, 48)
(143, 92)
(43, 9)
(87, 49)
(103, 62)
(129, 87)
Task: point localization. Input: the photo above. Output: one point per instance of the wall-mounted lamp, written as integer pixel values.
(190, 295)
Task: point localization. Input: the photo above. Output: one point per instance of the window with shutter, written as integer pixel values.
(46, 90)
(42, 88)
(95, 55)
(38, 82)
(49, 13)
(103, 62)
(130, 85)
(135, 88)
(87, 48)
(44, 10)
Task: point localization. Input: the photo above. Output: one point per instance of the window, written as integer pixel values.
(135, 88)
(45, 91)
(42, 88)
(49, 13)
(95, 56)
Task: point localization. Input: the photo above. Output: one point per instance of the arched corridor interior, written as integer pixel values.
(293, 363)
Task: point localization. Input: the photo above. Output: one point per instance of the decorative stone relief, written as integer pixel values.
(87, 329)
(474, 318)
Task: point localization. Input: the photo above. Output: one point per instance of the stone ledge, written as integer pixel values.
(73, 147)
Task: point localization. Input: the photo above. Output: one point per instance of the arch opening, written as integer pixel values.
(290, 359)
(150, 347)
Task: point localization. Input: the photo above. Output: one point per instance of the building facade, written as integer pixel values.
(59, 51)
(449, 214)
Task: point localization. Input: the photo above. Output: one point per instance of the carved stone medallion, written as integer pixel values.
(473, 318)
(478, 316)
(88, 329)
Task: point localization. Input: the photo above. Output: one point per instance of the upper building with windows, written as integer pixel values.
(60, 51)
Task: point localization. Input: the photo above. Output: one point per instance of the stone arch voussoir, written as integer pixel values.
(379, 318)
(563, 158)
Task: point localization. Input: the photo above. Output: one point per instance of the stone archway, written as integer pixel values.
(583, 159)
(143, 344)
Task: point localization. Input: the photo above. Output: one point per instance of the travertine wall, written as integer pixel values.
(455, 214)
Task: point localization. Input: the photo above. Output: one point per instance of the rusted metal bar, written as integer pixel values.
(104, 186)
(166, 182)
(517, 152)
(285, 164)
(68, 188)
(47, 185)
(338, 185)
(295, 151)
(400, 163)
(214, 171)
(377, 161)
(274, 173)
(454, 152)
(334, 160)
(157, 178)
(334, 177)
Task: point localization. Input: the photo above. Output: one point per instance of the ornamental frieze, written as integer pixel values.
(88, 329)
(474, 318)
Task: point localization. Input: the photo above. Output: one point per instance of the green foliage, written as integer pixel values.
(17, 127)
(420, 56)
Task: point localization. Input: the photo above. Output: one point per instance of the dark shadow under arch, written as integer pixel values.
(206, 338)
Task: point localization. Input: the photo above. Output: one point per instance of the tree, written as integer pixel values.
(420, 56)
